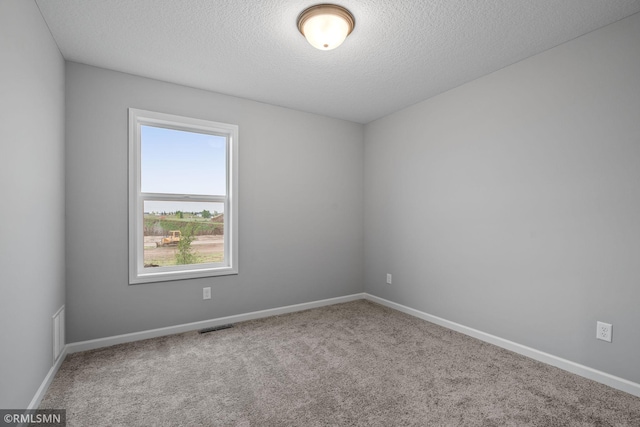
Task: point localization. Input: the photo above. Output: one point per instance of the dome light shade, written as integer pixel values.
(325, 26)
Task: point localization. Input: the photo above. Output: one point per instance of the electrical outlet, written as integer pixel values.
(388, 279)
(603, 331)
(206, 293)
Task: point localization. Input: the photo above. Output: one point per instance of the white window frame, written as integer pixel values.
(137, 272)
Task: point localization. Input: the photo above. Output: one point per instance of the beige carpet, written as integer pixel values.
(352, 364)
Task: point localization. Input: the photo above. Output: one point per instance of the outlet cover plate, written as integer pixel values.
(603, 331)
(206, 293)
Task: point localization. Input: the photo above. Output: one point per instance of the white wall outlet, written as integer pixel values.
(388, 279)
(206, 293)
(604, 331)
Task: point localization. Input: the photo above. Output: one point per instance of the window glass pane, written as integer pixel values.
(183, 233)
(180, 162)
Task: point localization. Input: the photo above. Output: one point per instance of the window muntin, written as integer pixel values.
(183, 197)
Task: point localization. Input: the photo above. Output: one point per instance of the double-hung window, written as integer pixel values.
(183, 197)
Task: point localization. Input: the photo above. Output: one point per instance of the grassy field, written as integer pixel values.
(187, 223)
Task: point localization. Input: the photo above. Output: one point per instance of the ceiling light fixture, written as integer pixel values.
(325, 26)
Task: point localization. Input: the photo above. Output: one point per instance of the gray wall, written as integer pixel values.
(512, 204)
(32, 208)
(300, 213)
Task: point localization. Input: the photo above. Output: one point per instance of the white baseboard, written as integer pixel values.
(567, 365)
(35, 402)
(564, 364)
(153, 333)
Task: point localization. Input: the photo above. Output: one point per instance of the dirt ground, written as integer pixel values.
(205, 247)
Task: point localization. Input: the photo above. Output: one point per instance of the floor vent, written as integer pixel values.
(215, 328)
(58, 333)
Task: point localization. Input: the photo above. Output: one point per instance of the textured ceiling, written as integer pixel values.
(400, 52)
